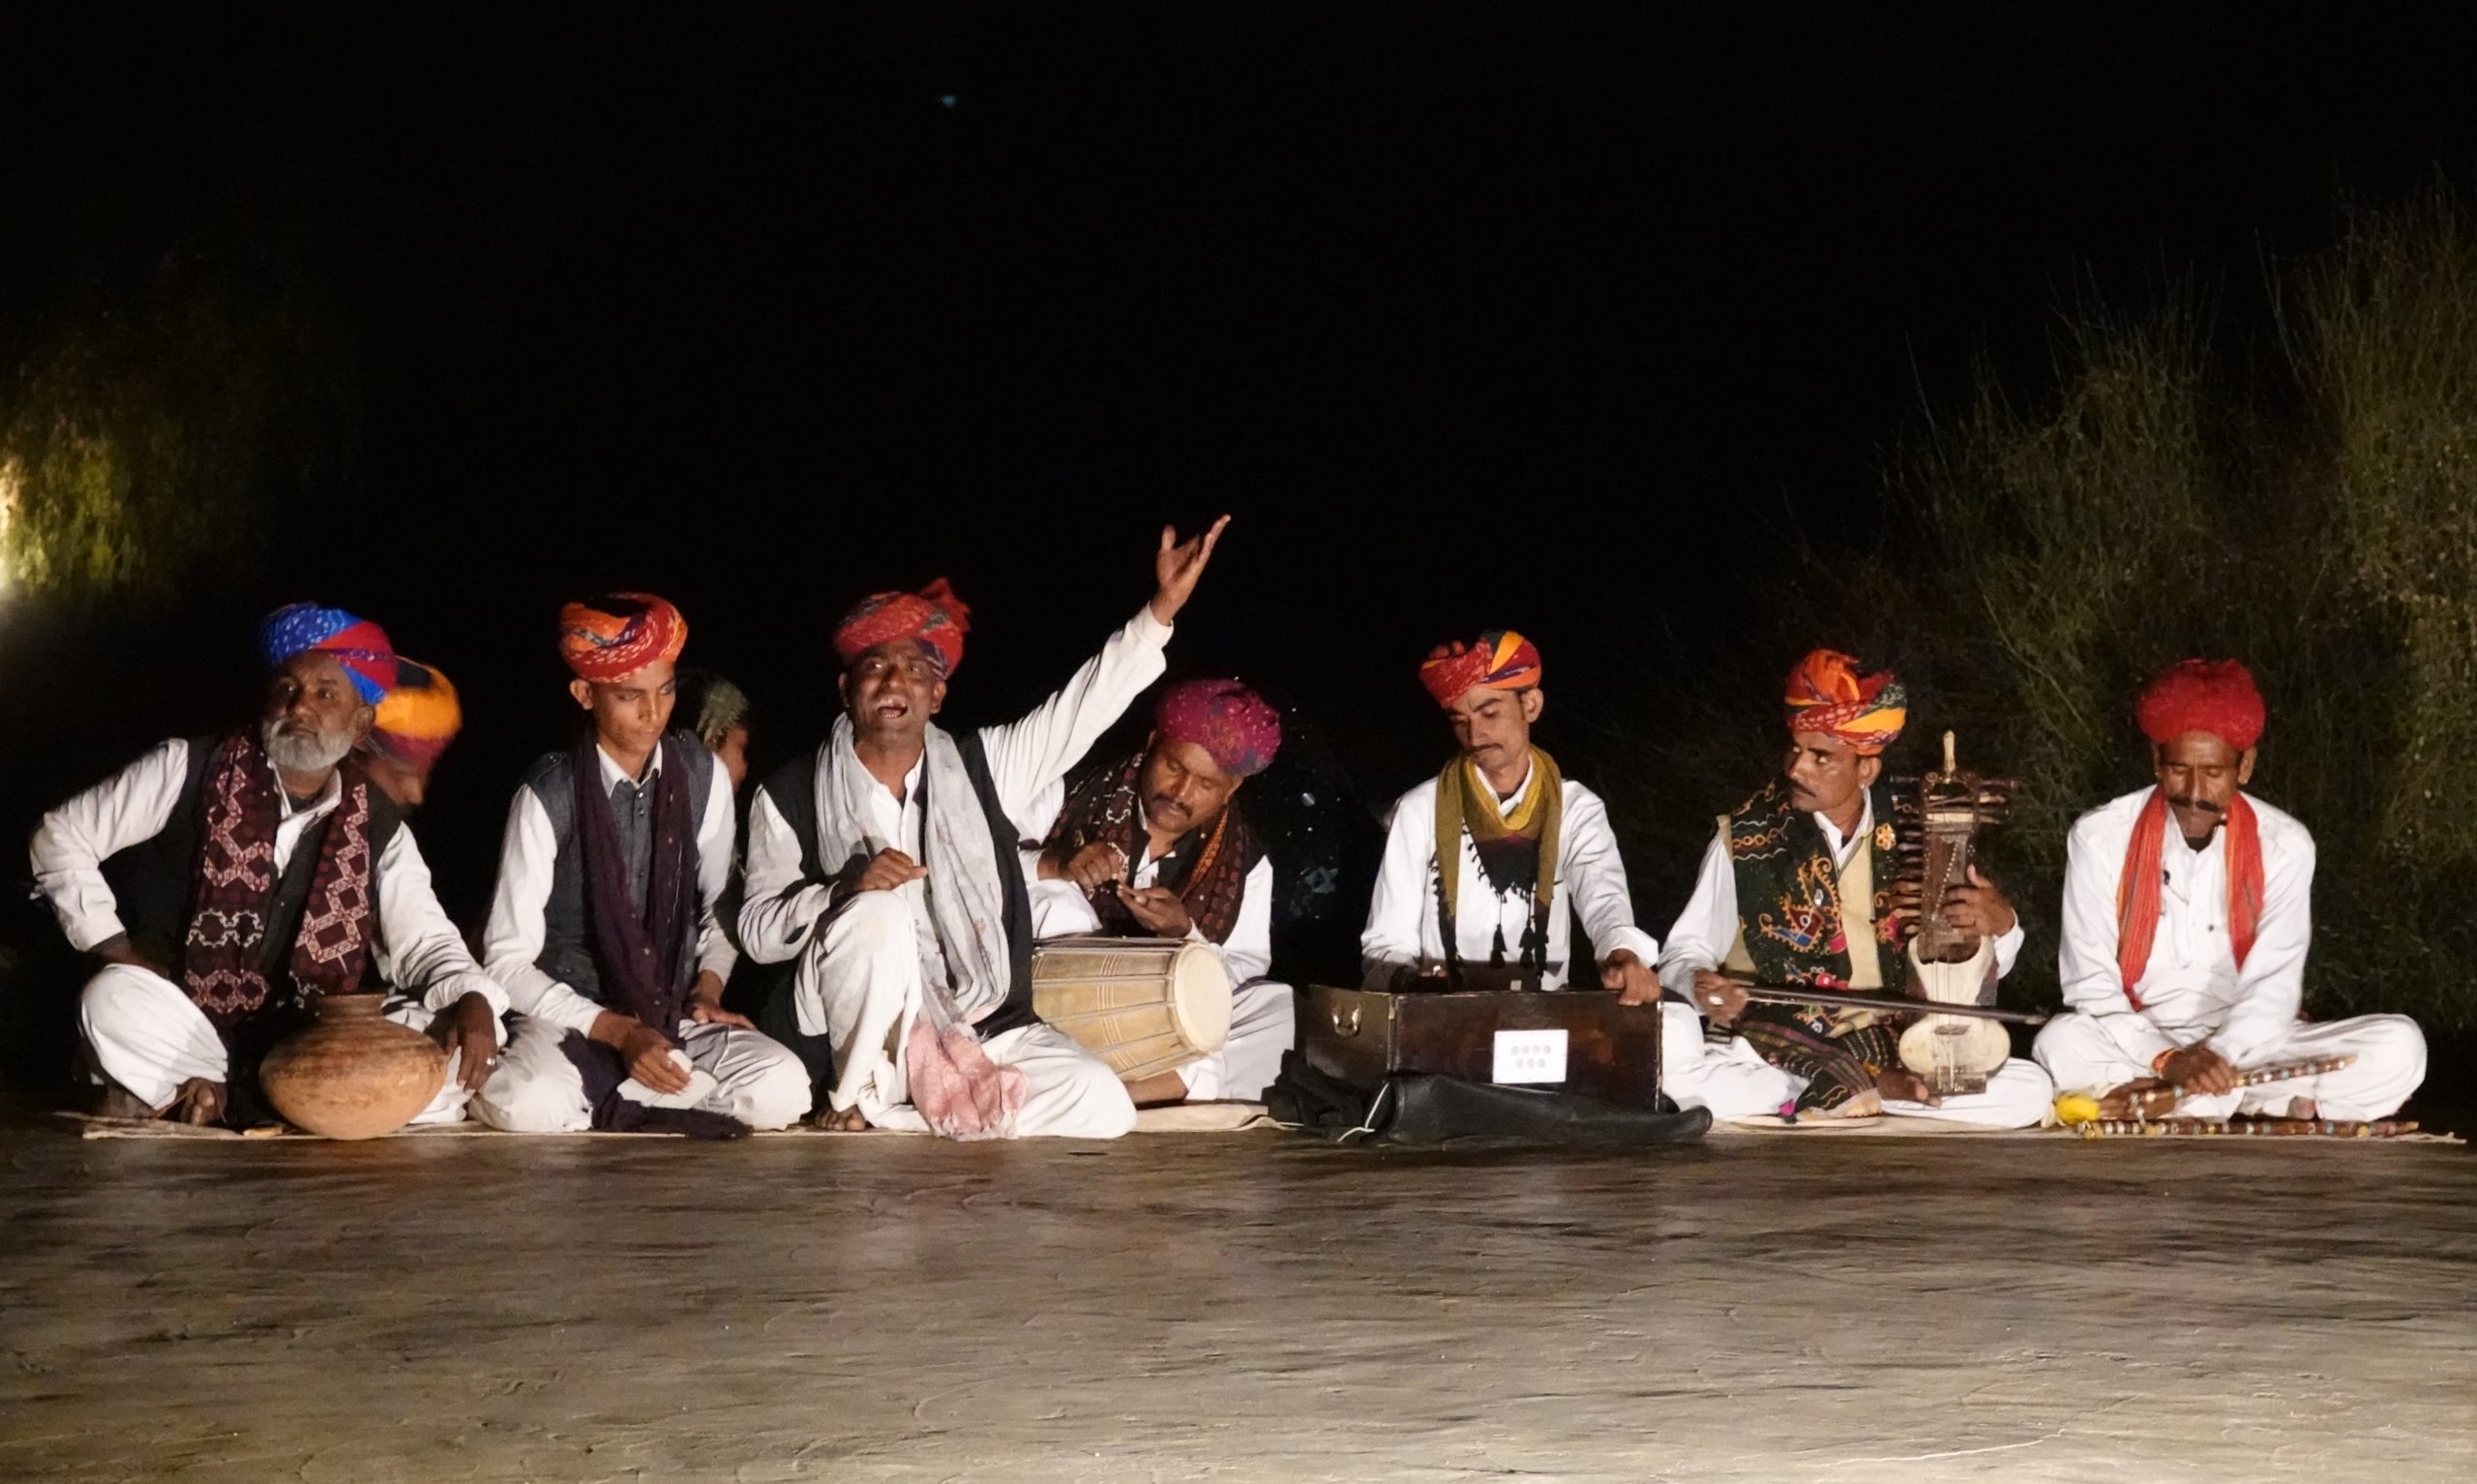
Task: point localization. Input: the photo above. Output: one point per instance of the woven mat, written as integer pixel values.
(1177, 1119)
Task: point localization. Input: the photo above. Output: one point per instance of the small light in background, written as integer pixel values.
(946, 100)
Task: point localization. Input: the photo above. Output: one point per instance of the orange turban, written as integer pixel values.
(611, 638)
(1828, 694)
(934, 618)
(2199, 696)
(419, 717)
(1500, 660)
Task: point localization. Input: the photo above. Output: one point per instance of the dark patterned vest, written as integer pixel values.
(1794, 923)
(567, 952)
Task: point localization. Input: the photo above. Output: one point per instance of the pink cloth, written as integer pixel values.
(958, 1089)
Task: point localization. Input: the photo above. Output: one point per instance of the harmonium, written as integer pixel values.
(1578, 1041)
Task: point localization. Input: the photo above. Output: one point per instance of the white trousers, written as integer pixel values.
(1263, 1024)
(745, 1074)
(2389, 1052)
(1735, 1081)
(150, 1037)
(857, 983)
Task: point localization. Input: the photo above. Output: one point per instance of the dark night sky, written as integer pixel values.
(1539, 322)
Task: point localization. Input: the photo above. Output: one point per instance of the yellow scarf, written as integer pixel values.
(1464, 801)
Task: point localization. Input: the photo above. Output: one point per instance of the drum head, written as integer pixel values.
(1200, 997)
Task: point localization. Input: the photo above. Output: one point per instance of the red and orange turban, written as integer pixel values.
(2200, 696)
(1864, 710)
(934, 618)
(611, 638)
(1230, 722)
(1500, 660)
(419, 717)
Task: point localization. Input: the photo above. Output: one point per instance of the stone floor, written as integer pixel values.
(1236, 1307)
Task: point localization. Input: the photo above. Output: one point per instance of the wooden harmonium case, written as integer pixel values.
(1579, 1041)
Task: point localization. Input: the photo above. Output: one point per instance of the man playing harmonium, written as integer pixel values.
(226, 881)
(886, 865)
(1485, 863)
(1796, 890)
(1156, 845)
(2187, 916)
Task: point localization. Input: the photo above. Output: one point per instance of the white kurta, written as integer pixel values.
(2192, 989)
(861, 963)
(747, 1074)
(146, 1033)
(1725, 1078)
(1402, 926)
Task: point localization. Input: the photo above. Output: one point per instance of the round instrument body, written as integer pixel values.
(1145, 1005)
(354, 1073)
(1954, 1054)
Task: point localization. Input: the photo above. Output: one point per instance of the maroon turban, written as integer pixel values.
(934, 618)
(2201, 695)
(1230, 722)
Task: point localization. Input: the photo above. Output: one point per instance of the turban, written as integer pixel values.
(359, 645)
(419, 717)
(611, 638)
(2199, 696)
(934, 618)
(1502, 661)
(1863, 709)
(1230, 722)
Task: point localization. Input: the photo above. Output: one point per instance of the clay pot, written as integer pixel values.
(354, 1073)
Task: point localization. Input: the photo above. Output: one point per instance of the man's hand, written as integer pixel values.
(117, 949)
(1159, 909)
(886, 871)
(642, 1050)
(1979, 909)
(1176, 566)
(1091, 868)
(469, 1032)
(2199, 1069)
(1721, 998)
(706, 1003)
(1630, 977)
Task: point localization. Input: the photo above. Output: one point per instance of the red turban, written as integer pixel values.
(1230, 722)
(1500, 660)
(2199, 696)
(357, 644)
(419, 717)
(611, 638)
(934, 618)
(1828, 692)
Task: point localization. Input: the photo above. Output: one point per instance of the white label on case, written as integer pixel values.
(1530, 1056)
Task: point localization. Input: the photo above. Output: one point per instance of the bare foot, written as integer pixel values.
(1903, 1086)
(849, 1120)
(199, 1102)
(1863, 1105)
(118, 1102)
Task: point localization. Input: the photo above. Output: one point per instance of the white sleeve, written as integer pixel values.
(418, 948)
(71, 843)
(716, 834)
(1594, 880)
(1391, 938)
(1248, 955)
(778, 904)
(512, 940)
(2007, 948)
(1039, 817)
(1027, 756)
(2270, 986)
(2087, 953)
(1703, 934)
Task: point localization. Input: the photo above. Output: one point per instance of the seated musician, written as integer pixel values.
(1795, 889)
(885, 864)
(1485, 863)
(225, 880)
(416, 721)
(1155, 845)
(2187, 916)
(602, 924)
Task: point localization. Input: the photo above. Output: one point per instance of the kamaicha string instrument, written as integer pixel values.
(1937, 822)
(2245, 1128)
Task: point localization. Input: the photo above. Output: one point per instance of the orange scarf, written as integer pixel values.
(2137, 889)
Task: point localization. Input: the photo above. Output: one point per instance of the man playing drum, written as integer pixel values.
(1796, 890)
(885, 864)
(1155, 845)
(2187, 916)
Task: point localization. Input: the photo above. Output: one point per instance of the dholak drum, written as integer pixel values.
(1145, 1005)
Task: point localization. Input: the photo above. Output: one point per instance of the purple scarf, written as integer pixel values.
(640, 955)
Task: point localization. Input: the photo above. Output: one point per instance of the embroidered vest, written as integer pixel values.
(1801, 919)
(567, 951)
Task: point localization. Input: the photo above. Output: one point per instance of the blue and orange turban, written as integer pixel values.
(419, 717)
(2199, 695)
(1828, 692)
(1230, 722)
(611, 638)
(357, 644)
(1500, 660)
(934, 618)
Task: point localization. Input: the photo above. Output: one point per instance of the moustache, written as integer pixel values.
(2204, 805)
(1162, 803)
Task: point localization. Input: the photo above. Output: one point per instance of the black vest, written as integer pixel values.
(567, 954)
(154, 881)
(794, 790)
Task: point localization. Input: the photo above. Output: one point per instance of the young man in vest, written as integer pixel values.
(1485, 863)
(603, 926)
(1155, 845)
(885, 863)
(225, 881)
(1795, 889)
(2188, 912)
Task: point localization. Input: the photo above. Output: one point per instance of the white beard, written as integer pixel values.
(294, 753)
